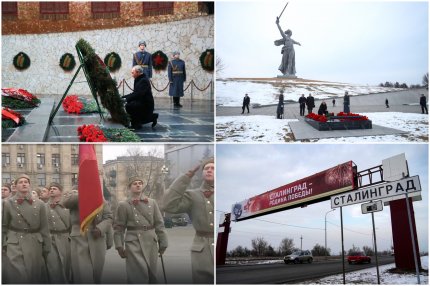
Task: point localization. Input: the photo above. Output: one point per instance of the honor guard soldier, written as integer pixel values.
(87, 252)
(177, 77)
(26, 238)
(143, 59)
(58, 259)
(199, 205)
(138, 227)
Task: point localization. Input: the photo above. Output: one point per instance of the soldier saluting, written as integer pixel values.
(199, 205)
(138, 227)
(26, 238)
(144, 59)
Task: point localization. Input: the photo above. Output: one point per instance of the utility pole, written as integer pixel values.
(325, 231)
(301, 242)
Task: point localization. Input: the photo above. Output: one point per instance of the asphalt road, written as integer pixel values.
(282, 273)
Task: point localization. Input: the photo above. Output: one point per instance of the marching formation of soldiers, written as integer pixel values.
(42, 242)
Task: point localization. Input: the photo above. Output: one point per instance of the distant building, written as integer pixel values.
(44, 163)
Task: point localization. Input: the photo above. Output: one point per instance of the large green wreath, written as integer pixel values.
(207, 60)
(21, 61)
(104, 85)
(67, 62)
(159, 60)
(113, 61)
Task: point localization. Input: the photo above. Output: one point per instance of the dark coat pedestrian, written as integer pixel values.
(310, 103)
(334, 102)
(144, 59)
(386, 103)
(302, 103)
(177, 77)
(346, 108)
(280, 108)
(246, 101)
(322, 110)
(140, 103)
(423, 103)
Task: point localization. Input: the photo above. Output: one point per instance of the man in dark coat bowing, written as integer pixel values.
(140, 103)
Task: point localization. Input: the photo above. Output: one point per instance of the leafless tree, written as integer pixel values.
(220, 66)
(259, 246)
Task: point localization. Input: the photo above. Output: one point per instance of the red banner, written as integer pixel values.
(311, 189)
(89, 186)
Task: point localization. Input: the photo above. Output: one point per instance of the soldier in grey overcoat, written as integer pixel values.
(5, 194)
(199, 205)
(26, 238)
(58, 260)
(87, 251)
(177, 77)
(139, 234)
(144, 59)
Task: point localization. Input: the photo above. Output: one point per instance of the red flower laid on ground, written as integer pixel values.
(316, 117)
(91, 133)
(355, 116)
(71, 104)
(9, 114)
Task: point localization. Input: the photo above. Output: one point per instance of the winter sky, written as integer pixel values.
(246, 170)
(363, 42)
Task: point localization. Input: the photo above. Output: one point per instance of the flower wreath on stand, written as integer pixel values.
(21, 61)
(11, 118)
(207, 60)
(18, 98)
(67, 62)
(159, 61)
(113, 61)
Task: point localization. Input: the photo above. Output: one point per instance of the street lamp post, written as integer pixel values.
(325, 230)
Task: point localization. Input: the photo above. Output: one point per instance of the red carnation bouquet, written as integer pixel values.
(91, 133)
(316, 117)
(79, 105)
(11, 118)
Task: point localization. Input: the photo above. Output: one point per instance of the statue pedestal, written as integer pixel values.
(287, 76)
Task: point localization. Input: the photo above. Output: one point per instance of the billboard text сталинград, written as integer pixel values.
(314, 188)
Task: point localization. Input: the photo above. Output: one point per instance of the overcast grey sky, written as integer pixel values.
(112, 151)
(365, 42)
(246, 170)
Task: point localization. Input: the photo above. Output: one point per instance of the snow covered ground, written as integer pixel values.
(261, 128)
(368, 276)
(262, 92)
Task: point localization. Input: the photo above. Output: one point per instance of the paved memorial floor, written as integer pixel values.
(194, 122)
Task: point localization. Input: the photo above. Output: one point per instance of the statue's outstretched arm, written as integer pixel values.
(280, 29)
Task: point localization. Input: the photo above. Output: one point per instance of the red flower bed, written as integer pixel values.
(354, 116)
(91, 133)
(316, 117)
(71, 104)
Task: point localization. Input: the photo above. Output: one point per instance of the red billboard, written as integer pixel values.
(315, 188)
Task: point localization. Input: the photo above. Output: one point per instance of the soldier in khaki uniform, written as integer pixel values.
(199, 205)
(139, 225)
(26, 238)
(58, 260)
(88, 251)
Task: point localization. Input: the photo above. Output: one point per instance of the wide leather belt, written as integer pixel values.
(144, 228)
(24, 230)
(177, 72)
(59, 231)
(205, 234)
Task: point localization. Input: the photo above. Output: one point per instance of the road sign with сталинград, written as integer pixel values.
(409, 185)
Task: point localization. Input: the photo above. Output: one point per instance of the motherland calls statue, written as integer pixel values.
(288, 63)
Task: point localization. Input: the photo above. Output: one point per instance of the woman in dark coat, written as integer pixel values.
(280, 109)
(140, 103)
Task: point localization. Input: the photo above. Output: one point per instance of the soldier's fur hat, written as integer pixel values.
(133, 179)
(57, 185)
(207, 161)
(176, 53)
(22, 176)
(142, 43)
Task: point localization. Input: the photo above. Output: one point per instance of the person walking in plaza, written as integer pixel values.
(423, 103)
(143, 59)
(88, 250)
(177, 77)
(25, 235)
(280, 108)
(302, 104)
(199, 205)
(139, 234)
(58, 259)
(346, 108)
(386, 103)
(310, 103)
(140, 103)
(334, 102)
(245, 104)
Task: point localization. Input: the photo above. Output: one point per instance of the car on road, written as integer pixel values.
(359, 258)
(299, 256)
